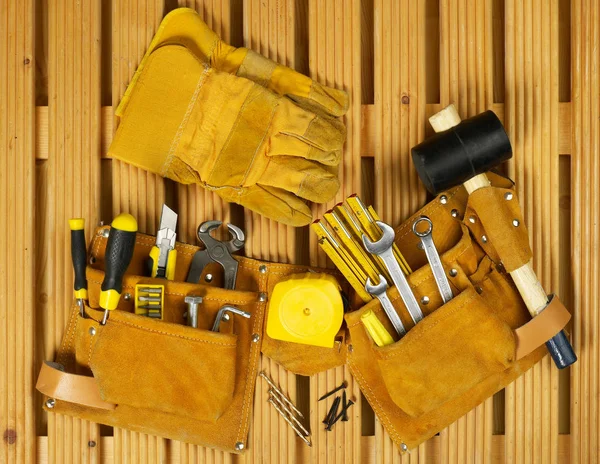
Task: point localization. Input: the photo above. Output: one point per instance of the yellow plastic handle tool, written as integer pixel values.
(306, 308)
(171, 263)
(375, 328)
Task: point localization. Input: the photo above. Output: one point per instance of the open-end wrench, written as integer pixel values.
(379, 291)
(217, 251)
(383, 248)
(433, 257)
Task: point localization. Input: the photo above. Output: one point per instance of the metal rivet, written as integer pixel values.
(92, 331)
(472, 219)
(420, 246)
(516, 222)
(425, 300)
(443, 199)
(453, 272)
(508, 196)
(403, 447)
(262, 297)
(262, 269)
(105, 233)
(255, 338)
(50, 402)
(239, 446)
(127, 296)
(208, 277)
(92, 259)
(350, 348)
(484, 239)
(479, 290)
(225, 317)
(91, 444)
(454, 213)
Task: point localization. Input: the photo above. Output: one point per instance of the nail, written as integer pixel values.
(341, 414)
(281, 394)
(335, 390)
(333, 412)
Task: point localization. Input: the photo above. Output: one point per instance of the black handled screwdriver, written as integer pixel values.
(119, 251)
(78, 255)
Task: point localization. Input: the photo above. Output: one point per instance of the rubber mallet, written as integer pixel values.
(460, 153)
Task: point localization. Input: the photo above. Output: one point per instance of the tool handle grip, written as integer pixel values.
(78, 255)
(119, 251)
(561, 350)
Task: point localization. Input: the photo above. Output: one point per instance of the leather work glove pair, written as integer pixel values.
(255, 132)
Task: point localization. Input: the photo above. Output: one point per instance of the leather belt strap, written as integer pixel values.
(80, 389)
(542, 327)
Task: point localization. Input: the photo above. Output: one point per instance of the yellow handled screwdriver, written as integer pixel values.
(78, 255)
(119, 251)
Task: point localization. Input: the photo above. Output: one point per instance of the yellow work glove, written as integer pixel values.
(189, 122)
(183, 26)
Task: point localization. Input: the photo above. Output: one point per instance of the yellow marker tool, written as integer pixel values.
(355, 229)
(375, 328)
(78, 255)
(367, 217)
(355, 249)
(119, 251)
(306, 308)
(355, 277)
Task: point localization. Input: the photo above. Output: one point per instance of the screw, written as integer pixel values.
(335, 390)
(192, 312)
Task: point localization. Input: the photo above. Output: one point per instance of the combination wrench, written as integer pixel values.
(433, 257)
(379, 291)
(383, 249)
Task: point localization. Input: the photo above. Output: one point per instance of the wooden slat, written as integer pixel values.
(17, 100)
(72, 180)
(466, 79)
(585, 188)
(334, 29)
(531, 117)
(134, 190)
(269, 29)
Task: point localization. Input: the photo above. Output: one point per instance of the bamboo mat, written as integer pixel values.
(64, 65)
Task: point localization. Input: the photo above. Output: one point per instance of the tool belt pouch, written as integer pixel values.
(463, 351)
(162, 377)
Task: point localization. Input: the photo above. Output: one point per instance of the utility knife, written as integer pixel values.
(163, 255)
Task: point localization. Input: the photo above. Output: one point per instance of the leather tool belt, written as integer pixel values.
(164, 378)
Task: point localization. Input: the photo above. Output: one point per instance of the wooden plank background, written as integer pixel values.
(64, 65)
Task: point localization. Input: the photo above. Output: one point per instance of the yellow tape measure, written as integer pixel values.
(306, 308)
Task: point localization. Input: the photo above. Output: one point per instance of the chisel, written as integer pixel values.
(78, 255)
(119, 251)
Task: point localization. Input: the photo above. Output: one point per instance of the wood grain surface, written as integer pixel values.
(65, 64)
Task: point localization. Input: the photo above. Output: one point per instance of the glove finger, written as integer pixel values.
(274, 203)
(300, 88)
(290, 145)
(304, 178)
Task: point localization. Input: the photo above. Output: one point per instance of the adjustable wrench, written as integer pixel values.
(383, 249)
(217, 251)
(433, 257)
(379, 292)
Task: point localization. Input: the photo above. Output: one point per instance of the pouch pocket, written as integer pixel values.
(168, 367)
(446, 354)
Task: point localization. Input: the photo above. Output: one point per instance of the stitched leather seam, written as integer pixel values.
(370, 395)
(171, 334)
(254, 353)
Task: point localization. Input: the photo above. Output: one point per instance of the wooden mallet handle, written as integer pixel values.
(527, 283)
